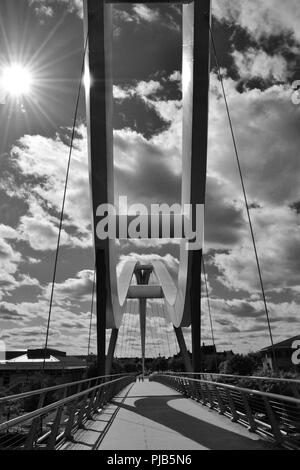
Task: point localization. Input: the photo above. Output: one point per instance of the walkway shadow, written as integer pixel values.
(157, 409)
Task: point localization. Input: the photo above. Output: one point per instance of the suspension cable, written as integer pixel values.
(64, 200)
(155, 344)
(209, 313)
(130, 326)
(160, 330)
(151, 328)
(244, 191)
(121, 333)
(125, 320)
(92, 308)
(167, 327)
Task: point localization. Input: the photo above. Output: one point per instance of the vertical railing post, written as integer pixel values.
(203, 392)
(222, 407)
(198, 390)
(251, 420)
(33, 434)
(91, 405)
(41, 400)
(273, 421)
(82, 410)
(54, 429)
(70, 423)
(234, 413)
(295, 391)
(99, 401)
(210, 397)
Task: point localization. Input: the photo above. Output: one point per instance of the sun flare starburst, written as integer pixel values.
(16, 80)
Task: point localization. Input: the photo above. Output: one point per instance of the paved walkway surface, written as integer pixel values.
(151, 416)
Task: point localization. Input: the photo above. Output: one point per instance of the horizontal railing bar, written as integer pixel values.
(245, 390)
(53, 406)
(20, 396)
(212, 374)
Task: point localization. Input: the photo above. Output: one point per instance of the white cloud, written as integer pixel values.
(73, 290)
(142, 89)
(44, 8)
(278, 245)
(257, 63)
(148, 88)
(8, 232)
(38, 226)
(261, 19)
(169, 17)
(9, 260)
(267, 139)
(44, 11)
(175, 76)
(145, 13)
(121, 93)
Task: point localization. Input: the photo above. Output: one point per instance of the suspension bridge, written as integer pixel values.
(167, 410)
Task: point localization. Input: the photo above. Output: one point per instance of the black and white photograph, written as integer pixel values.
(149, 228)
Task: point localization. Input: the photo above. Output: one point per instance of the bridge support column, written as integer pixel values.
(196, 310)
(99, 103)
(101, 310)
(111, 350)
(183, 350)
(200, 11)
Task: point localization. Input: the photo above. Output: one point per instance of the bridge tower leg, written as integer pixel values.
(101, 310)
(183, 349)
(196, 310)
(99, 103)
(111, 350)
(198, 15)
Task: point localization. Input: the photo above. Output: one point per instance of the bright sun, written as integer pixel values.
(16, 80)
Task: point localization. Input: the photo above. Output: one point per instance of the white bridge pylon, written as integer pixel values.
(173, 297)
(164, 289)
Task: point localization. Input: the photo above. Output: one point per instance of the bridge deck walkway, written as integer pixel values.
(151, 416)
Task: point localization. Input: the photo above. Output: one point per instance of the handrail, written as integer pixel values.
(53, 406)
(275, 396)
(251, 377)
(20, 396)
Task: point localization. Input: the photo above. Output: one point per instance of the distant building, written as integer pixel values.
(20, 366)
(209, 350)
(283, 352)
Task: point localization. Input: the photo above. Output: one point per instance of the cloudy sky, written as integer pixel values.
(258, 45)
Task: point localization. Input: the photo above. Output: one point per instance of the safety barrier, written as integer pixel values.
(272, 415)
(55, 418)
(282, 386)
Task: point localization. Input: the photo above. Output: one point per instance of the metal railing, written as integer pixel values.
(274, 416)
(56, 412)
(282, 386)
